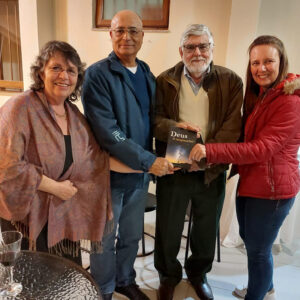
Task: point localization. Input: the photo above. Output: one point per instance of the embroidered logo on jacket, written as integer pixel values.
(117, 136)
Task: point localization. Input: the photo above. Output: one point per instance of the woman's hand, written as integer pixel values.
(194, 167)
(197, 152)
(64, 190)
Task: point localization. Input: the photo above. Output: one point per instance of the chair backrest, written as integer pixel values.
(150, 202)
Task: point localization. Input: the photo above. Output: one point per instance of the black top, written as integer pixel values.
(69, 155)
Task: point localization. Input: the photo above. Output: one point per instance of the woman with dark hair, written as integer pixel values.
(267, 159)
(54, 178)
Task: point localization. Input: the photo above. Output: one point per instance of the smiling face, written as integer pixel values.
(196, 61)
(264, 65)
(126, 35)
(60, 78)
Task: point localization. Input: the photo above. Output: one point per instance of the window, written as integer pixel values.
(11, 77)
(154, 13)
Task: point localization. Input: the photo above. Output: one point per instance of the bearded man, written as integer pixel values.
(197, 95)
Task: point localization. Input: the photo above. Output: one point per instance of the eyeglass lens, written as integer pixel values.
(202, 47)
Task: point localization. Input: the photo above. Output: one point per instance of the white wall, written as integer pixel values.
(234, 23)
(281, 18)
(29, 36)
(160, 49)
(60, 17)
(46, 21)
(250, 19)
(242, 31)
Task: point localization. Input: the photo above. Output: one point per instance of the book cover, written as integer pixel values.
(180, 144)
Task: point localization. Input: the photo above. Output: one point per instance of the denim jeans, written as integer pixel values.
(260, 221)
(114, 267)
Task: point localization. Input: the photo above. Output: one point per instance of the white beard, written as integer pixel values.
(199, 67)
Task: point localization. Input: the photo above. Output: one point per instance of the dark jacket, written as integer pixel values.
(225, 93)
(115, 115)
(267, 160)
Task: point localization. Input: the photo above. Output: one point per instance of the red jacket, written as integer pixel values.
(267, 160)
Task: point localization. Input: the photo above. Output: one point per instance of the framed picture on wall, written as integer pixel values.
(154, 13)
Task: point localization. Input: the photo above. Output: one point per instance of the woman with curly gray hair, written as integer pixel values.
(54, 178)
(50, 50)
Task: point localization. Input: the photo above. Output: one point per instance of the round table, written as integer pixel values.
(46, 276)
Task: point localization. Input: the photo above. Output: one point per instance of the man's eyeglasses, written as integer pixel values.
(191, 48)
(131, 31)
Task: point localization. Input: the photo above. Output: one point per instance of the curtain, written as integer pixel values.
(229, 234)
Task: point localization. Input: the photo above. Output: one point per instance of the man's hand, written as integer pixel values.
(161, 166)
(197, 152)
(64, 190)
(189, 126)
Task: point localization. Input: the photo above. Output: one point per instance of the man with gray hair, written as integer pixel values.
(197, 95)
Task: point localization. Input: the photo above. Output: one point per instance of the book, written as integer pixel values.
(180, 143)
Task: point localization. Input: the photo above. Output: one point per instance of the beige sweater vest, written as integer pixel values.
(193, 108)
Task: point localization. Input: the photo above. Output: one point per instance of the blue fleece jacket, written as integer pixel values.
(115, 115)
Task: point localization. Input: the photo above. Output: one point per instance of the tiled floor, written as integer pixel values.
(227, 274)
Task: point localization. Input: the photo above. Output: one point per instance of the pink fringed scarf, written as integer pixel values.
(32, 144)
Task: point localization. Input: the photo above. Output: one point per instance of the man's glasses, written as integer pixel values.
(191, 48)
(131, 31)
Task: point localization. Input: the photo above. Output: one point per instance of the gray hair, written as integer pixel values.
(196, 29)
(46, 53)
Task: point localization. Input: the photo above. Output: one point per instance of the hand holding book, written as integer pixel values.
(190, 127)
(180, 143)
(161, 167)
(198, 152)
(194, 167)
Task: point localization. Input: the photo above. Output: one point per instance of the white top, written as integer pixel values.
(132, 69)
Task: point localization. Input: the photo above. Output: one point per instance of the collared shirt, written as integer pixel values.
(195, 86)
